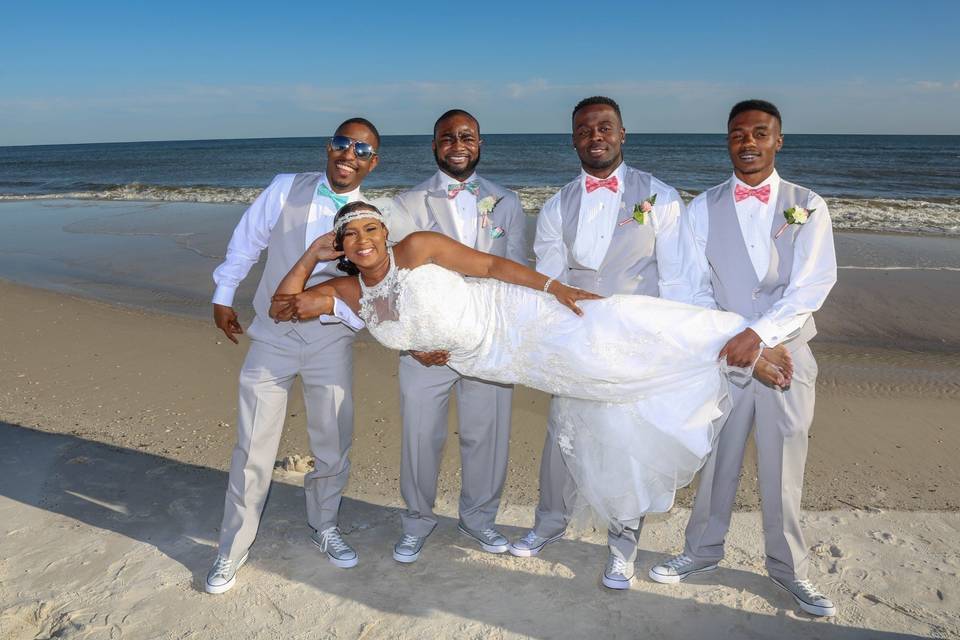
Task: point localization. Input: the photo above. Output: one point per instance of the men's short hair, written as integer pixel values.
(592, 100)
(364, 122)
(450, 114)
(755, 105)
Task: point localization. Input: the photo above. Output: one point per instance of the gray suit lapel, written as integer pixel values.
(439, 206)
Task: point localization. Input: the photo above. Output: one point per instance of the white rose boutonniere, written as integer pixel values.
(485, 207)
(794, 215)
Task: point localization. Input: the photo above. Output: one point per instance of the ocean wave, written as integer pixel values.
(940, 217)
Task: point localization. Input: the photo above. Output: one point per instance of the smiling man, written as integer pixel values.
(761, 247)
(613, 229)
(487, 217)
(285, 219)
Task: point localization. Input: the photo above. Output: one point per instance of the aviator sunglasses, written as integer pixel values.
(363, 150)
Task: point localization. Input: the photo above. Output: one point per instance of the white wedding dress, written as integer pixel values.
(643, 392)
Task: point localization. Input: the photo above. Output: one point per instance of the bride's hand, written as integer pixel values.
(306, 305)
(568, 296)
(322, 249)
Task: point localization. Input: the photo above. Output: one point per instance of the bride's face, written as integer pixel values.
(365, 242)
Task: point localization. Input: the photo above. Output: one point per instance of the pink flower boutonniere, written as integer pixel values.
(641, 211)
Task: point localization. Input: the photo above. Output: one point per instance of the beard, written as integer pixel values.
(452, 171)
(601, 163)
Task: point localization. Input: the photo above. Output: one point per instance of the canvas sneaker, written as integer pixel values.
(490, 540)
(618, 574)
(531, 544)
(223, 574)
(408, 548)
(338, 551)
(808, 597)
(679, 568)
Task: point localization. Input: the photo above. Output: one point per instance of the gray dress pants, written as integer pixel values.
(325, 368)
(484, 428)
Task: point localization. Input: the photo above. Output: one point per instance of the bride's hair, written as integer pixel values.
(351, 207)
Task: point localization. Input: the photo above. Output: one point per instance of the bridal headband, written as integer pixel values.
(356, 215)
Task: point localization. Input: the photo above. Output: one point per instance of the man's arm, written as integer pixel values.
(517, 231)
(812, 277)
(666, 219)
(548, 243)
(250, 237)
(694, 285)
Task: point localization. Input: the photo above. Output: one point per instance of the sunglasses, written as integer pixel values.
(363, 150)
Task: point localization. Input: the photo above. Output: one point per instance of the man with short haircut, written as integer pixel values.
(761, 247)
(459, 203)
(285, 219)
(612, 230)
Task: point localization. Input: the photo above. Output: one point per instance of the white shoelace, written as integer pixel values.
(331, 538)
(809, 591)
(408, 540)
(618, 565)
(222, 566)
(490, 534)
(678, 561)
(530, 539)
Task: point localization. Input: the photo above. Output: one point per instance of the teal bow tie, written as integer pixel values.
(455, 188)
(336, 198)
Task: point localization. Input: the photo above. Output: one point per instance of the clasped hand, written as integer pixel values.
(305, 305)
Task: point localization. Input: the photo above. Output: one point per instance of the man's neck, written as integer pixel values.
(602, 174)
(458, 178)
(754, 179)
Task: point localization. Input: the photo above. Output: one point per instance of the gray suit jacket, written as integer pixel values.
(426, 207)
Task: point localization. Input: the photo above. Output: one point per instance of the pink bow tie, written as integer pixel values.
(742, 193)
(610, 183)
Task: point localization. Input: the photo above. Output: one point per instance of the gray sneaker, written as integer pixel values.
(679, 568)
(618, 574)
(408, 548)
(490, 540)
(531, 544)
(338, 551)
(223, 575)
(808, 597)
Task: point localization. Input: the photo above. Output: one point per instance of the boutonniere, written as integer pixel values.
(793, 215)
(497, 232)
(485, 207)
(640, 211)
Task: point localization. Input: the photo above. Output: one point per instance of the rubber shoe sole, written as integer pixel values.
(529, 553)
(489, 548)
(223, 588)
(666, 579)
(404, 558)
(616, 583)
(812, 609)
(343, 564)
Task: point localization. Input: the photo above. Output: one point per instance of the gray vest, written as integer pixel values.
(735, 284)
(287, 244)
(630, 264)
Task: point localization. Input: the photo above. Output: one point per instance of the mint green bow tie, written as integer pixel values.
(336, 198)
(457, 187)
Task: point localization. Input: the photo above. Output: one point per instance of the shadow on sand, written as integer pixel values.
(176, 508)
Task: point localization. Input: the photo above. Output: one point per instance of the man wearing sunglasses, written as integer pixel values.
(285, 219)
(457, 202)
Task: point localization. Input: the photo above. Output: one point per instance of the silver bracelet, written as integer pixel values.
(547, 284)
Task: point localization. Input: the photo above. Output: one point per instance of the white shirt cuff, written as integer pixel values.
(224, 295)
(769, 332)
(343, 313)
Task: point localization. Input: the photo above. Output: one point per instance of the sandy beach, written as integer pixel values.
(117, 424)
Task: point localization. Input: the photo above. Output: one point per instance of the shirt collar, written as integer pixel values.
(773, 180)
(351, 196)
(618, 172)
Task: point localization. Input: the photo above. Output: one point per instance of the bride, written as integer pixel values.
(645, 393)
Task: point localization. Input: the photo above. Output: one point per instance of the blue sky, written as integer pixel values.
(113, 71)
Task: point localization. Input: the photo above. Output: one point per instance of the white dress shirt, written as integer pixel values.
(252, 235)
(464, 208)
(814, 262)
(600, 212)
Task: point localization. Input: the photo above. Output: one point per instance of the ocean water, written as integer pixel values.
(881, 183)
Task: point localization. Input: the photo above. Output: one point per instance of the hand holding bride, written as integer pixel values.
(568, 296)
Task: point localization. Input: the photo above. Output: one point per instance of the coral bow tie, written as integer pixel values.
(742, 193)
(453, 189)
(610, 183)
